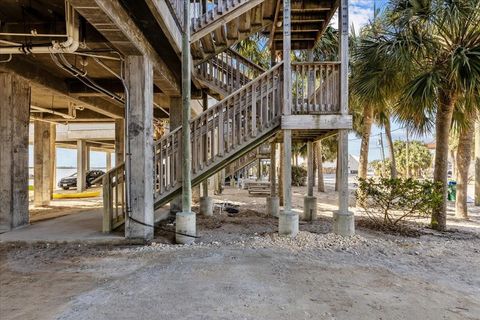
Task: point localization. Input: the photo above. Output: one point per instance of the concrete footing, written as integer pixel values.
(206, 206)
(288, 224)
(185, 227)
(344, 224)
(309, 208)
(273, 206)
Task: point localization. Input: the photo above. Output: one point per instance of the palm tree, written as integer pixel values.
(373, 88)
(433, 49)
(465, 126)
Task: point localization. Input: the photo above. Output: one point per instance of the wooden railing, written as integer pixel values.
(114, 204)
(316, 87)
(201, 11)
(222, 130)
(248, 158)
(228, 71)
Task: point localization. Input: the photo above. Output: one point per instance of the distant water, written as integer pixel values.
(61, 173)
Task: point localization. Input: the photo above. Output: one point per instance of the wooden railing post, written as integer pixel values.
(107, 204)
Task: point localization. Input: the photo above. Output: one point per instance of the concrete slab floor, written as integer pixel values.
(82, 225)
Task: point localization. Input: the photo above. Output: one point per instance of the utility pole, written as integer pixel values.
(381, 146)
(407, 150)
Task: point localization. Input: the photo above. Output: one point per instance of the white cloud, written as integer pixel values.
(359, 15)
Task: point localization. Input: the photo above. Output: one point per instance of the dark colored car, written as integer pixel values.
(71, 181)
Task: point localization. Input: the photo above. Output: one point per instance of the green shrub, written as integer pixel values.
(388, 203)
(299, 176)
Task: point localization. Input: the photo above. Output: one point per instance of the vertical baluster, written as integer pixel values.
(212, 140)
(234, 124)
(314, 87)
(320, 89)
(260, 83)
(158, 164)
(254, 110)
(221, 131)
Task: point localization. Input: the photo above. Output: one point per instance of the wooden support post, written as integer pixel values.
(43, 163)
(139, 78)
(204, 145)
(273, 169)
(321, 183)
(310, 169)
(280, 181)
(288, 220)
(343, 219)
(14, 119)
(81, 165)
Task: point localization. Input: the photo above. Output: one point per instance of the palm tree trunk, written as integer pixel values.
(321, 183)
(443, 122)
(464, 157)
(367, 127)
(393, 163)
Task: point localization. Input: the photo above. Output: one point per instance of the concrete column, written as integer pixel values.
(87, 154)
(53, 159)
(119, 141)
(139, 78)
(43, 163)
(81, 165)
(273, 202)
(309, 201)
(14, 119)
(108, 160)
(186, 220)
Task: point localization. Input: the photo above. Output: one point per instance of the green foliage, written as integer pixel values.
(255, 48)
(389, 203)
(419, 160)
(299, 176)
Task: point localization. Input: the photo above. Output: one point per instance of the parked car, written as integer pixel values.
(71, 181)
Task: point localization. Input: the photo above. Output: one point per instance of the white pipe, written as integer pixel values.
(69, 46)
(63, 115)
(33, 33)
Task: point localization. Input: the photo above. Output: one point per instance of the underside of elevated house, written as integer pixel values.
(119, 64)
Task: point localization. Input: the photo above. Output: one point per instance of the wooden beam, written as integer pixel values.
(228, 16)
(274, 24)
(323, 122)
(45, 80)
(116, 25)
(166, 21)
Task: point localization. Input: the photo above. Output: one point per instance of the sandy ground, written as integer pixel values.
(241, 269)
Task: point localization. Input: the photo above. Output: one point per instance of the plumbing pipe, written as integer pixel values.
(63, 115)
(68, 46)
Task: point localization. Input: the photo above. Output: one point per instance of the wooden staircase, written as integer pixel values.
(225, 132)
(262, 152)
(232, 129)
(219, 24)
(226, 72)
